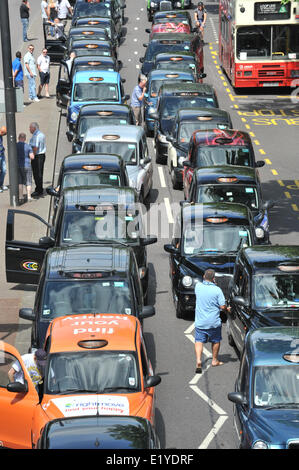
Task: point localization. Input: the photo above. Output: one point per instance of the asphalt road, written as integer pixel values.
(192, 411)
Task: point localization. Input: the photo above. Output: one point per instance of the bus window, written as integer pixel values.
(285, 41)
(255, 41)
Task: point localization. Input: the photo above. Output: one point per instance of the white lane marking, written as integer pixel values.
(161, 176)
(193, 384)
(215, 429)
(168, 210)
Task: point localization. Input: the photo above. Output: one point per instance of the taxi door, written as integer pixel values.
(16, 409)
(63, 87)
(23, 260)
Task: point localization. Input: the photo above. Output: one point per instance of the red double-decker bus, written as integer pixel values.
(259, 42)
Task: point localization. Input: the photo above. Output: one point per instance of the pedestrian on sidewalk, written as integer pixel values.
(38, 145)
(25, 156)
(30, 73)
(64, 10)
(3, 131)
(43, 65)
(209, 301)
(24, 14)
(52, 14)
(137, 99)
(17, 71)
(44, 11)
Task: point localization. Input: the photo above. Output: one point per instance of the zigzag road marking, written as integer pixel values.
(193, 385)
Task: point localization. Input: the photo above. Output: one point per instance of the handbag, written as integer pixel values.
(223, 316)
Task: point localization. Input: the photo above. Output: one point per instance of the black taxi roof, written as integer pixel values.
(269, 257)
(81, 43)
(93, 20)
(88, 29)
(74, 198)
(184, 89)
(80, 161)
(100, 432)
(167, 56)
(235, 213)
(171, 13)
(190, 114)
(91, 258)
(90, 60)
(267, 346)
(218, 174)
(109, 109)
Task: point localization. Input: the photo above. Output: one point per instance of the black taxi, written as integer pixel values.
(90, 170)
(101, 22)
(233, 184)
(206, 236)
(88, 32)
(185, 123)
(217, 147)
(96, 214)
(167, 42)
(92, 47)
(175, 96)
(93, 115)
(165, 16)
(81, 280)
(264, 290)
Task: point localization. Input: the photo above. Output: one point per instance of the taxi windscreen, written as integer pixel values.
(170, 105)
(276, 386)
(214, 239)
(95, 91)
(228, 193)
(75, 296)
(127, 151)
(186, 129)
(91, 178)
(93, 372)
(93, 9)
(276, 291)
(86, 122)
(156, 84)
(183, 65)
(156, 47)
(223, 155)
(94, 226)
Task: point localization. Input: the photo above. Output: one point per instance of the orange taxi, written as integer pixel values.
(97, 364)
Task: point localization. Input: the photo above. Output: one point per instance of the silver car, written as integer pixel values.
(129, 142)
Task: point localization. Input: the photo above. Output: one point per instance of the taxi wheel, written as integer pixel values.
(158, 158)
(174, 181)
(229, 336)
(178, 310)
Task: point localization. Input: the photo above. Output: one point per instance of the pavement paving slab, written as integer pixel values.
(14, 296)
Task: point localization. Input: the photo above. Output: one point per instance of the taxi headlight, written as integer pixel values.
(260, 445)
(74, 116)
(259, 232)
(187, 281)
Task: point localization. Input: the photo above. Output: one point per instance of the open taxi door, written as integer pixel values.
(23, 260)
(17, 402)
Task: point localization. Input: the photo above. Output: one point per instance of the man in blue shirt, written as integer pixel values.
(3, 132)
(17, 71)
(137, 99)
(209, 301)
(25, 156)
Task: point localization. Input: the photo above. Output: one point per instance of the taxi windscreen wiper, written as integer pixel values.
(74, 391)
(282, 405)
(112, 389)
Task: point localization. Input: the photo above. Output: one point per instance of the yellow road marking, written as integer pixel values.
(295, 207)
(262, 151)
(269, 163)
(288, 195)
(274, 172)
(280, 182)
(256, 142)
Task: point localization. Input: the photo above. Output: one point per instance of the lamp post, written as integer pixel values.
(10, 105)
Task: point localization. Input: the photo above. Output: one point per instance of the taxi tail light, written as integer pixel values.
(227, 180)
(91, 167)
(217, 220)
(93, 344)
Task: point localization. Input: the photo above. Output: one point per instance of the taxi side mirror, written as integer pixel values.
(46, 242)
(148, 30)
(241, 301)
(141, 60)
(152, 381)
(17, 387)
(26, 314)
(149, 240)
(237, 398)
(202, 75)
(147, 311)
(268, 205)
(52, 191)
(259, 164)
(70, 136)
(171, 249)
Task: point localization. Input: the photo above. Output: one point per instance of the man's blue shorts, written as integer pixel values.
(212, 335)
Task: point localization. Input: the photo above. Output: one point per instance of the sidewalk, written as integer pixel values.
(15, 296)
